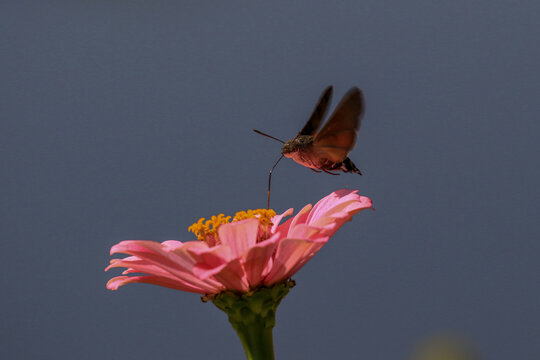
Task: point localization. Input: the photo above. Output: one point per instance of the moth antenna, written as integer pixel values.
(271, 137)
(270, 181)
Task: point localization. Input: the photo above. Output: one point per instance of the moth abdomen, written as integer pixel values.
(348, 166)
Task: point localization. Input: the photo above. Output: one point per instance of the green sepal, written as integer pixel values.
(253, 316)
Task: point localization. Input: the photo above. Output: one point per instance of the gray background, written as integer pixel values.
(132, 119)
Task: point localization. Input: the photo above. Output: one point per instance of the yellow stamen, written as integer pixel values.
(204, 229)
(264, 215)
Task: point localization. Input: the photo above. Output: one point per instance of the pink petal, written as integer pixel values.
(134, 264)
(304, 231)
(152, 250)
(256, 261)
(118, 281)
(230, 274)
(211, 256)
(338, 201)
(291, 255)
(277, 219)
(178, 263)
(334, 210)
(285, 228)
(302, 216)
(175, 244)
(239, 236)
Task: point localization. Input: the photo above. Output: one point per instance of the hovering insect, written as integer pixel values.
(328, 149)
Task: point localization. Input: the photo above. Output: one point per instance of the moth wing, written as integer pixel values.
(339, 149)
(314, 121)
(338, 136)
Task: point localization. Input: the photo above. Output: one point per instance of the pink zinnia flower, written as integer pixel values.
(256, 249)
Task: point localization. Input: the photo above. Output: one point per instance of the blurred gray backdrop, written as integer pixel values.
(132, 119)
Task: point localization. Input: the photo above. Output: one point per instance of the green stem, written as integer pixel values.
(257, 341)
(253, 316)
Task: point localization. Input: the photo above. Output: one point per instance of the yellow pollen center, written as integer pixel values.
(204, 229)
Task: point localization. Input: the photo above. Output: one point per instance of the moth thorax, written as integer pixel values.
(297, 144)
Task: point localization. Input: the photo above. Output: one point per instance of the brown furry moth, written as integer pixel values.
(328, 149)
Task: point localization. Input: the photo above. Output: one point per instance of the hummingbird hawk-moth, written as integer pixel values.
(328, 149)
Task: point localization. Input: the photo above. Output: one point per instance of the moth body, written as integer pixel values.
(302, 151)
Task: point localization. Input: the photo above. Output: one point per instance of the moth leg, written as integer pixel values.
(328, 172)
(317, 171)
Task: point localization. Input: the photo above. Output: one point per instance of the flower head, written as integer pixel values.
(255, 249)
